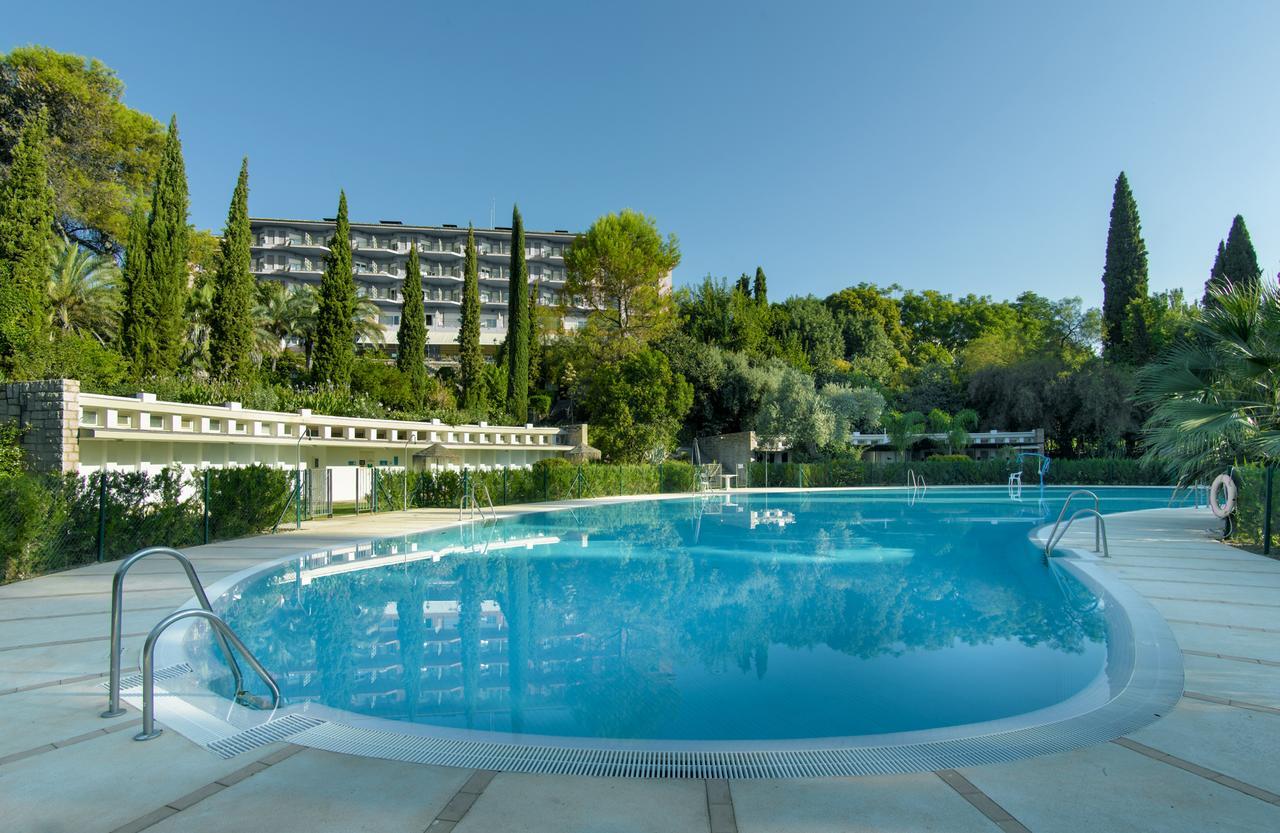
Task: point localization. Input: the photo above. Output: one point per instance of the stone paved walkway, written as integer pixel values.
(1211, 765)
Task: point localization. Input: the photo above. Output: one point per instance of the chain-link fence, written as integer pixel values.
(51, 522)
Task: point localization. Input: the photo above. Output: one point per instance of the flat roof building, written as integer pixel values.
(293, 252)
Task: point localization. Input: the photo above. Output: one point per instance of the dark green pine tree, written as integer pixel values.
(26, 226)
(335, 349)
(1236, 263)
(744, 284)
(760, 288)
(411, 339)
(470, 359)
(168, 244)
(518, 325)
(231, 323)
(137, 324)
(1124, 277)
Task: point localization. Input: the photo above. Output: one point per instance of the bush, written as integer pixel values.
(51, 522)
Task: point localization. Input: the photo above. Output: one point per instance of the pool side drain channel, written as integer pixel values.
(737, 765)
(262, 734)
(169, 672)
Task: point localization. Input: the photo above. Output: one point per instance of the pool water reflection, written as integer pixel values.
(793, 615)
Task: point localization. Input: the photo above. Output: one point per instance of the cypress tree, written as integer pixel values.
(760, 289)
(26, 227)
(518, 325)
(335, 348)
(411, 357)
(231, 315)
(744, 284)
(137, 325)
(535, 344)
(168, 243)
(1124, 277)
(470, 359)
(1236, 263)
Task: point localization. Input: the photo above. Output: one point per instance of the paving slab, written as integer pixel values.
(1108, 788)
(47, 715)
(1229, 641)
(1215, 612)
(1233, 680)
(325, 791)
(103, 783)
(855, 805)
(519, 803)
(29, 666)
(1236, 742)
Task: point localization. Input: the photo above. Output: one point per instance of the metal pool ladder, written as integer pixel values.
(117, 621)
(1099, 525)
(224, 634)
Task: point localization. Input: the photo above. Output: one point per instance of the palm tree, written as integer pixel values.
(366, 318)
(955, 429)
(903, 430)
(84, 291)
(195, 353)
(1215, 398)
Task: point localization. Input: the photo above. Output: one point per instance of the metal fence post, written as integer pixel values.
(206, 506)
(660, 479)
(546, 493)
(102, 514)
(297, 498)
(506, 473)
(1266, 517)
(375, 490)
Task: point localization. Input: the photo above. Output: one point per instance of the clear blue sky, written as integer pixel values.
(968, 147)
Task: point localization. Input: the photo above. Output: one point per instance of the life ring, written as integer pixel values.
(1222, 509)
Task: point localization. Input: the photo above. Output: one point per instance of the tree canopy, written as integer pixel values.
(103, 155)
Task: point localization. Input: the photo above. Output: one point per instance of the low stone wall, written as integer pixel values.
(49, 413)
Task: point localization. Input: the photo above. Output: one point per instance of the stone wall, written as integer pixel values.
(49, 413)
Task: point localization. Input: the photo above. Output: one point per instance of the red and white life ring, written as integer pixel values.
(1222, 508)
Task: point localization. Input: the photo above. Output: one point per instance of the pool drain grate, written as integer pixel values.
(169, 672)
(262, 734)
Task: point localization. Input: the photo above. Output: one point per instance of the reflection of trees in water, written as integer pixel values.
(600, 637)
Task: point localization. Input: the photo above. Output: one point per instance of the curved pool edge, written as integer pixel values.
(1153, 679)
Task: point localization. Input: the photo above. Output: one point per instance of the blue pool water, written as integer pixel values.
(786, 615)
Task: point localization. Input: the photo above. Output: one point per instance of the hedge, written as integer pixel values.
(950, 472)
(51, 522)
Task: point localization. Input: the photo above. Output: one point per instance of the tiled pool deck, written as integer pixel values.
(1210, 765)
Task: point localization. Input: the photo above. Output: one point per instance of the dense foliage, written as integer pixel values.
(335, 331)
(231, 313)
(518, 324)
(411, 338)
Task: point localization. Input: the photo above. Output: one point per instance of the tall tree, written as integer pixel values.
(744, 284)
(470, 359)
(26, 226)
(411, 355)
(335, 349)
(621, 269)
(760, 288)
(518, 324)
(1124, 277)
(1236, 263)
(102, 155)
(168, 242)
(231, 321)
(137, 326)
(535, 338)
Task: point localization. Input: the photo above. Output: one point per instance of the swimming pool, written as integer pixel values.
(777, 623)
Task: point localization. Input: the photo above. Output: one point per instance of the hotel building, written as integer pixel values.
(293, 253)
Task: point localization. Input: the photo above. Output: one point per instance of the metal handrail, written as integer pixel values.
(117, 621)
(1097, 510)
(1100, 526)
(223, 631)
